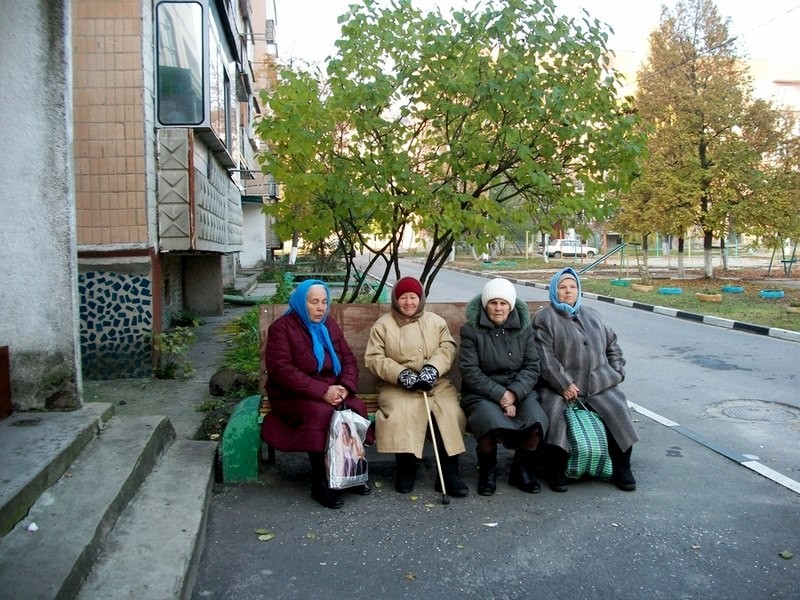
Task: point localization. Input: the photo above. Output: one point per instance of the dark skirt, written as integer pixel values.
(485, 417)
(301, 425)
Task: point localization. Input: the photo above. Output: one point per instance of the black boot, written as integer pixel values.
(319, 483)
(621, 476)
(406, 472)
(521, 474)
(452, 480)
(556, 468)
(487, 472)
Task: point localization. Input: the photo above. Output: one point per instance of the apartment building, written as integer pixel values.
(163, 102)
(38, 304)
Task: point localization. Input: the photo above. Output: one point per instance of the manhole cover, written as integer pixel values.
(767, 414)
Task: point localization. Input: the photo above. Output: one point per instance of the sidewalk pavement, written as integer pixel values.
(698, 526)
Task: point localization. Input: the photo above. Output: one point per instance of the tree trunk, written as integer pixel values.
(723, 251)
(293, 251)
(681, 270)
(708, 257)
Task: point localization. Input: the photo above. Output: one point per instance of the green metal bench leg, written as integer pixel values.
(241, 442)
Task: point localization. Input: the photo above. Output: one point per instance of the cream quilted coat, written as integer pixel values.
(401, 423)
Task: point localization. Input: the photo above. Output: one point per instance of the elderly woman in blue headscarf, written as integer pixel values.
(580, 359)
(311, 371)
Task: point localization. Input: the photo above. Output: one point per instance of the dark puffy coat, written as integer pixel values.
(300, 417)
(493, 359)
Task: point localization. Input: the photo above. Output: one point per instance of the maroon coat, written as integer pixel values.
(300, 417)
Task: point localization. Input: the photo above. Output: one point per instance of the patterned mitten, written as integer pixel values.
(407, 379)
(427, 378)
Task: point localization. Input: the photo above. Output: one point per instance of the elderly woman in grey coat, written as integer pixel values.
(581, 360)
(499, 367)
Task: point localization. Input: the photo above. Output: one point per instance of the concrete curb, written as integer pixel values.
(783, 334)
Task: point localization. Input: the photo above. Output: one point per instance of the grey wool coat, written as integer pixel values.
(493, 359)
(581, 350)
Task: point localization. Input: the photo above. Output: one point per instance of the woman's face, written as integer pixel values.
(567, 291)
(498, 310)
(316, 303)
(408, 303)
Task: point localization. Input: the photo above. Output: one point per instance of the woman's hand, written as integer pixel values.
(335, 395)
(507, 404)
(570, 393)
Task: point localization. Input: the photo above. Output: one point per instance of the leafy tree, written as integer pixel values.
(707, 137)
(438, 123)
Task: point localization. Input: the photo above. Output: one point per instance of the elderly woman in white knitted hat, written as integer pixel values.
(581, 359)
(499, 366)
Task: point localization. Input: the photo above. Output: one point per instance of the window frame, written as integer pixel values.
(203, 119)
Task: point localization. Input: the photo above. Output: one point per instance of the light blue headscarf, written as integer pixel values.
(320, 338)
(562, 306)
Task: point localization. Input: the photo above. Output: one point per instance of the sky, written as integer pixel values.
(307, 29)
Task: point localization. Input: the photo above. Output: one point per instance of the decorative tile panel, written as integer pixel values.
(116, 320)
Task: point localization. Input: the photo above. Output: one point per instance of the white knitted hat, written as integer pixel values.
(499, 288)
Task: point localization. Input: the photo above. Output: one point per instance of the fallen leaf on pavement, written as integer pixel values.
(786, 554)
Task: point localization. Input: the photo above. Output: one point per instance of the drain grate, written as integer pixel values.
(768, 414)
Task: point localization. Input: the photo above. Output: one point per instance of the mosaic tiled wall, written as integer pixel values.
(116, 314)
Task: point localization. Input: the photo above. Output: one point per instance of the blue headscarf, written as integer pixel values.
(563, 306)
(320, 338)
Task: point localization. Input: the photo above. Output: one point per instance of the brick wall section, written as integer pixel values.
(109, 122)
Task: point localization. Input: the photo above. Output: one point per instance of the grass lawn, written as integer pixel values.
(748, 306)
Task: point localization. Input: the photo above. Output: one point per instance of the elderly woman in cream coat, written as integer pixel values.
(411, 350)
(581, 359)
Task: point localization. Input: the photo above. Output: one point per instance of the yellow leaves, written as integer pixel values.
(264, 535)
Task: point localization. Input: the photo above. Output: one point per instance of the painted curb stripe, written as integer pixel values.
(783, 334)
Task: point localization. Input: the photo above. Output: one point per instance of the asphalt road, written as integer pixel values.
(713, 407)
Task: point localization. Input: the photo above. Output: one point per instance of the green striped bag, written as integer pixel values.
(588, 445)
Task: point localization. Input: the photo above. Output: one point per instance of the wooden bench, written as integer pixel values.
(239, 462)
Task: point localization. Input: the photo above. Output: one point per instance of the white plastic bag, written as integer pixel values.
(345, 455)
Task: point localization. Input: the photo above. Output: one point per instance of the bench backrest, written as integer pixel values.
(356, 320)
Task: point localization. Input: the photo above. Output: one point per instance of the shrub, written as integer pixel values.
(168, 348)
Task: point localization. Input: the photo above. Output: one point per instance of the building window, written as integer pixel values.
(222, 67)
(181, 34)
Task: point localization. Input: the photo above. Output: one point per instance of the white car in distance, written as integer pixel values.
(559, 248)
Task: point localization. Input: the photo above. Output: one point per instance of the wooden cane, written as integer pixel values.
(445, 499)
